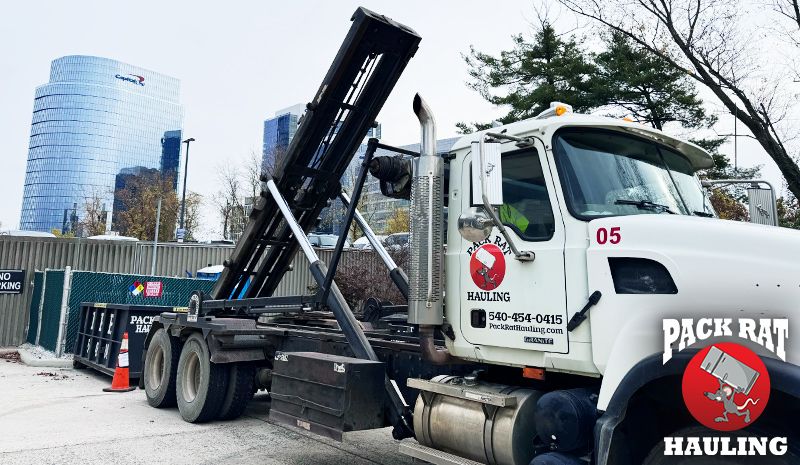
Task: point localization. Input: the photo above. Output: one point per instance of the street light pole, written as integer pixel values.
(181, 231)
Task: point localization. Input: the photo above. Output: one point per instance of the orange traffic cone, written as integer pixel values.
(121, 382)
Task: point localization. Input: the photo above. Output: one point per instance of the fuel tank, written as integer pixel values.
(484, 422)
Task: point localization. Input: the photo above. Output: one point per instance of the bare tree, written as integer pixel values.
(228, 199)
(252, 172)
(191, 222)
(789, 11)
(706, 39)
(138, 206)
(94, 218)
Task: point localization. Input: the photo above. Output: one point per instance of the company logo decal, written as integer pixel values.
(726, 387)
(487, 267)
(132, 78)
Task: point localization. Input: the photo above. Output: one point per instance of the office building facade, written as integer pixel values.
(376, 207)
(96, 119)
(279, 131)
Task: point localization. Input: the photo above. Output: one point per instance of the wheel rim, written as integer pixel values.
(191, 377)
(155, 368)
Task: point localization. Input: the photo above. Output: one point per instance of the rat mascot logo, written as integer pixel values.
(487, 266)
(726, 386)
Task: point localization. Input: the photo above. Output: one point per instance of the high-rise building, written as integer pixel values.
(96, 119)
(279, 131)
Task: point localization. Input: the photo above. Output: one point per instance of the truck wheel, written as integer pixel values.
(240, 390)
(160, 367)
(201, 385)
(656, 456)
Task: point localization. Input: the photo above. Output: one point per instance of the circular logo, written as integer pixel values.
(487, 266)
(726, 386)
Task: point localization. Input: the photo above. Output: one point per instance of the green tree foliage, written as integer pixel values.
(789, 212)
(532, 74)
(623, 79)
(646, 86)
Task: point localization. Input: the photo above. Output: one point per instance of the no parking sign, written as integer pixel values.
(12, 281)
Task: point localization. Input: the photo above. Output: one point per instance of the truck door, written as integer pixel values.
(506, 302)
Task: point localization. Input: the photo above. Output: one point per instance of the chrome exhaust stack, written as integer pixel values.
(425, 306)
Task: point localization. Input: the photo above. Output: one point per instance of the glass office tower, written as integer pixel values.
(278, 132)
(96, 118)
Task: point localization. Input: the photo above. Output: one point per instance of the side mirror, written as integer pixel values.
(487, 191)
(474, 224)
(487, 173)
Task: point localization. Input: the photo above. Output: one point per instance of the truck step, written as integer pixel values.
(413, 449)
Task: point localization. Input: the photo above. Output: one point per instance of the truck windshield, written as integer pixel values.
(607, 174)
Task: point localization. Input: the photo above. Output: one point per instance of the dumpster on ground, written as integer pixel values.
(100, 331)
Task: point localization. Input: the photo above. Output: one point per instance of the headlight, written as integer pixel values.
(640, 276)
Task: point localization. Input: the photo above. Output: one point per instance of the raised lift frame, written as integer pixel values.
(366, 68)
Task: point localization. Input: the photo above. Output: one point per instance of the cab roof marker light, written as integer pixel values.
(556, 109)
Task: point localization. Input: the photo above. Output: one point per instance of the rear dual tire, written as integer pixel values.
(160, 368)
(241, 380)
(186, 377)
(201, 386)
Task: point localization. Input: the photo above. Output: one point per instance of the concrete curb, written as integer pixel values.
(8, 350)
(30, 360)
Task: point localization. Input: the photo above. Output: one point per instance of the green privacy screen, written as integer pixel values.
(112, 288)
(36, 301)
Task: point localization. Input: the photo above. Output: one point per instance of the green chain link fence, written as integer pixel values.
(51, 308)
(112, 288)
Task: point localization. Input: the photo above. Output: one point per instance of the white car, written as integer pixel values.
(363, 242)
(326, 241)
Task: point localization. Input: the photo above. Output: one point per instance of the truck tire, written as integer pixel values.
(200, 385)
(656, 456)
(241, 380)
(160, 368)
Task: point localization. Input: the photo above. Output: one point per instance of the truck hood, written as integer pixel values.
(720, 268)
(716, 261)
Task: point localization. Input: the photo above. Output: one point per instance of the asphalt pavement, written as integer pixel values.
(62, 416)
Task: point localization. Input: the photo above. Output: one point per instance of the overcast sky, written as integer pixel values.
(239, 61)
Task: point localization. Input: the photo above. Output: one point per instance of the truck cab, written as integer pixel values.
(604, 205)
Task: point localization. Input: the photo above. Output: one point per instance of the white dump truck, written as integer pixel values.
(572, 245)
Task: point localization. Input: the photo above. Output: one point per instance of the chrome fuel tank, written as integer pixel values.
(488, 423)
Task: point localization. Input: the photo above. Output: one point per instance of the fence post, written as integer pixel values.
(41, 307)
(62, 329)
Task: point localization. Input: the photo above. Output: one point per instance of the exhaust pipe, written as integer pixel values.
(425, 304)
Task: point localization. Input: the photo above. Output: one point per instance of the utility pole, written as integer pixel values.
(181, 230)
